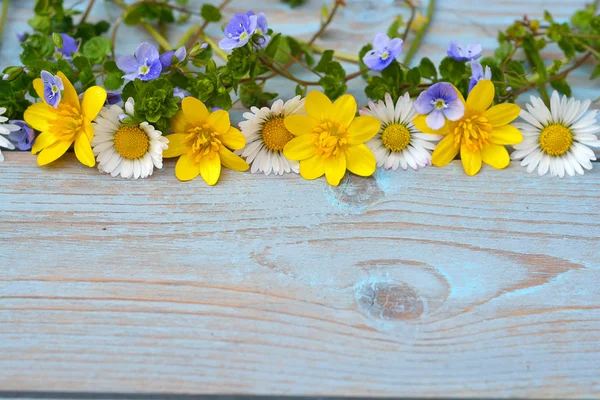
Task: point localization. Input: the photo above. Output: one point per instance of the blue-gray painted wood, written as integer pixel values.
(427, 283)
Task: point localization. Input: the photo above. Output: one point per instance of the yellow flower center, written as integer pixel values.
(556, 140)
(68, 122)
(385, 55)
(131, 142)
(202, 141)
(275, 135)
(473, 131)
(243, 36)
(396, 137)
(330, 139)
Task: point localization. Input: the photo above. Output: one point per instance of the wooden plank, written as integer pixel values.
(412, 283)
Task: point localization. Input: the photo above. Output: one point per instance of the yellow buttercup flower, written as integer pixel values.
(480, 135)
(418, 22)
(203, 140)
(70, 122)
(330, 138)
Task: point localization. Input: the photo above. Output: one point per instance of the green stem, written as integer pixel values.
(3, 17)
(419, 36)
(187, 35)
(337, 54)
(160, 39)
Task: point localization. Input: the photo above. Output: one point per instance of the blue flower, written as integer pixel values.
(181, 93)
(69, 47)
(238, 31)
(145, 65)
(384, 52)
(113, 97)
(262, 28)
(166, 58)
(22, 36)
(440, 101)
(24, 137)
(52, 87)
(460, 53)
(477, 73)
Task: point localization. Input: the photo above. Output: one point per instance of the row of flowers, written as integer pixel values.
(311, 136)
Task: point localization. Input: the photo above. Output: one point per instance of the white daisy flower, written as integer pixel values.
(266, 136)
(131, 151)
(6, 129)
(557, 139)
(399, 143)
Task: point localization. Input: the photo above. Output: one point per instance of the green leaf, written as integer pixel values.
(273, 45)
(97, 48)
(41, 23)
(413, 76)
(596, 72)
(41, 6)
(326, 59)
(562, 86)
(210, 13)
(392, 31)
(113, 81)
(81, 62)
(566, 45)
(300, 91)
(57, 39)
(452, 70)
(533, 57)
(427, 68)
(110, 66)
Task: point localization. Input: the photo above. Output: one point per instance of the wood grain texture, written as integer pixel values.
(427, 283)
(415, 283)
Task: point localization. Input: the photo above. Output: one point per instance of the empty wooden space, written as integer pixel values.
(427, 283)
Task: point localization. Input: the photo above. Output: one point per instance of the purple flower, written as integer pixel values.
(52, 87)
(69, 47)
(24, 137)
(166, 58)
(113, 97)
(477, 74)
(238, 31)
(460, 53)
(22, 36)
(262, 28)
(384, 52)
(181, 93)
(145, 65)
(440, 101)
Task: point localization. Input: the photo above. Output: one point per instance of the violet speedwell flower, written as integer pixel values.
(238, 31)
(477, 73)
(461, 53)
(262, 27)
(145, 65)
(181, 93)
(440, 102)
(23, 138)
(168, 57)
(52, 87)
(22, 36)
(69, 47)
(384, 52)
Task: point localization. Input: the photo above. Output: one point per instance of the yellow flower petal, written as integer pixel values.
(362, 129)
(360, 160)
(176, 148)
(471, 160)
(210, 168)
(83, 150)
(43, 140)
(88, 129)
(194, 110)
(93, 101)
(318, 106)
(312, 168)
(506, 134)
(38, 86)
(335, 169)
(38, 115)
(481, 97)
(495, 155)
(186, 169)
(344, 110)
(444, 152)
(299, 124)
(300, 148)
(502, 114)
(178, 122)
(53, 152)
(69, 94)
(421, 124)
(232, 161)
(460, 96)
(219, 121)
(233, 139)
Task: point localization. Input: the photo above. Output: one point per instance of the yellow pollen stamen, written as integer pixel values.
(556, 139)
(275, 135)
(396, 137)
(131, 142)
(68, 123)
(330, 139)
(202, 141)
(385, 55)
(473, 131)
(243, 36)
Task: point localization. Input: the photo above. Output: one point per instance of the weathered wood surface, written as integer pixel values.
(424, 283)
